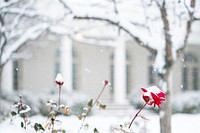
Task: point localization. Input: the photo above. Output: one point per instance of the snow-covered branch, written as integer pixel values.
(121, 27)
(66, 6)
(7, 4)
(115, 6)
(20, 22)
(188, 25)
(30, 34)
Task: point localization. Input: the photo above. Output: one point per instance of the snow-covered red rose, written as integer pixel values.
(153, 95)
(105, 82)
(59, 79)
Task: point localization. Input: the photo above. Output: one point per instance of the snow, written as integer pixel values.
(143, 21)
(188, 101)
(30, 34)
(184, 123)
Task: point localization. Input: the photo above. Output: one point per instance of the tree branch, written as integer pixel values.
(115, 6)
(31, 34)
(8, 4)
(66, 6)
(137, 39)
(188, 28)
(28, 13)
(3, 39)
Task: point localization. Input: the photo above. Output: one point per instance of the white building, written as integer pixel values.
(89, 59)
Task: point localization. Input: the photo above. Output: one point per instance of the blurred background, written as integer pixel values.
(124, 42)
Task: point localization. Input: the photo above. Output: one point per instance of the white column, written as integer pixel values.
(120, 72)
(7, 77)
(66, 62)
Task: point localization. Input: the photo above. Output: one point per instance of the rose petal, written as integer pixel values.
(144, 90)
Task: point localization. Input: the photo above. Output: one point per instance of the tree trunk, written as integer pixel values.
(166, 111)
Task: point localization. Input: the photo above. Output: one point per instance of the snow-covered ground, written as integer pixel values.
(181, 123)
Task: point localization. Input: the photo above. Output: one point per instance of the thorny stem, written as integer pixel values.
(21, 108)
(24, 122)
(53, 119)
(52, 125)
(59, 96)
(137, 114)
(97, 99)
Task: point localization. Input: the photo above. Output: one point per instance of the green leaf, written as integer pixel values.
(90, 103)
(95, 130)
(35, 127)
(101, 106)
(38, 127)
(22, 124)
(41, 127)
(59, 131)
(86, 126)
(13, 113)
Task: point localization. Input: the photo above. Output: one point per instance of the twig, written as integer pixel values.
(137, 114)
(89, 110)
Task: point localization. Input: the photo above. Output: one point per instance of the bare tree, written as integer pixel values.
(161, 21)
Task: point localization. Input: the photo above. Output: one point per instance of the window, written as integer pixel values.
(190, 72)
(74, 69)
(151, 76)
(190, 58)
(185, 78)
(15, 75)
(112, 72)
(152, 73)
(195, 78)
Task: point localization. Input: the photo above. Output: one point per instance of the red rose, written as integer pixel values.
(59, 79)
(153, 95)
(105, 82)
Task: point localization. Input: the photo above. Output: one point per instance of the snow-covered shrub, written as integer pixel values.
(6, 100)
(4, 109)
(76, 101)
(77, 108)
(73, 99)
(186, 102)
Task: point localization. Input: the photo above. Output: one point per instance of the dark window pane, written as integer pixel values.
(190, 58)
(74, 69)
(185, 78)
(112, 72)
(15, 75)
(195, 78)
(151, 75)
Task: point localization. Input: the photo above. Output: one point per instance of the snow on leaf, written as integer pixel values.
(26, 110)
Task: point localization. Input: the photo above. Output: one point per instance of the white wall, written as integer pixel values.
(93, 63)
(7, 77)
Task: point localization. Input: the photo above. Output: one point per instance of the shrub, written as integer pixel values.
(186, 102)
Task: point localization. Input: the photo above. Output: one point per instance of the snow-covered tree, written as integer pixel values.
(22, 21)
(161, 26)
